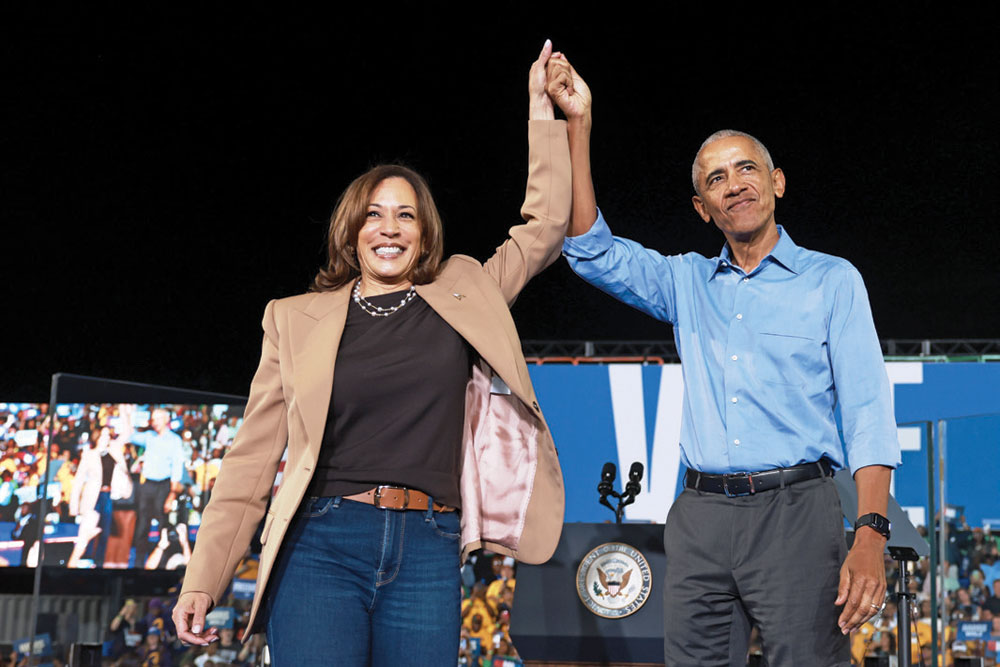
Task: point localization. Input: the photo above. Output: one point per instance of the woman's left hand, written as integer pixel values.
(539, 103)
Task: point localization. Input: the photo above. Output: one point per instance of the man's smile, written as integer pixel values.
(741, 204)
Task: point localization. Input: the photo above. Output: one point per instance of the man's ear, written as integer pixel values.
(778, 183)
(699, 207)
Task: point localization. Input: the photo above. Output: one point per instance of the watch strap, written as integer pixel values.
(876, 522)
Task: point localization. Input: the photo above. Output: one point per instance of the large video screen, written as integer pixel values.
(126, 482)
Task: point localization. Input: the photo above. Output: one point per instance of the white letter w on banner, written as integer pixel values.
(660, 479)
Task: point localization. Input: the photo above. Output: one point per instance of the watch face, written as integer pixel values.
(877, 522)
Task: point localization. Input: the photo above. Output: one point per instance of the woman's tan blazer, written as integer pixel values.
(511, 484)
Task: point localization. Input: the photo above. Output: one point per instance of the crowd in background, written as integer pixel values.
(142, 634)
(968, 588)
(487, 604)
(150, 639)
(100, 460)
(100, 471)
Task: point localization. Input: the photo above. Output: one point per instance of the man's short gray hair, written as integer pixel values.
(725, 134)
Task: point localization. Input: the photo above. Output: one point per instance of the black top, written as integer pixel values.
(398, 404)
(107, 468)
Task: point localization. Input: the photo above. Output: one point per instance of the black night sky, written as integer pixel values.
(165, 174)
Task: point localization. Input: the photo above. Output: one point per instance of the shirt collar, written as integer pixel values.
(785, 253)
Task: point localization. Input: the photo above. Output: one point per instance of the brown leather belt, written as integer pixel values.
(397, 498)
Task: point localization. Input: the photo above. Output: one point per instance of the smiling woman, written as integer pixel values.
(387, 205)
(389, 242)
(379, 381)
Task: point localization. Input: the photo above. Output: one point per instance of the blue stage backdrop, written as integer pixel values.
(629, 412)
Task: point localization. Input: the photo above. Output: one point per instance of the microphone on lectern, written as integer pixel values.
(634, 477)
(606, 487)
(608, 474)
(632, 487)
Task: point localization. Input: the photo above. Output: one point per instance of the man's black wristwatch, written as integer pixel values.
(876, 521)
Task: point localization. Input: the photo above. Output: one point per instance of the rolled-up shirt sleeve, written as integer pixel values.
(590, 244)
(631, 273)
(860, 379)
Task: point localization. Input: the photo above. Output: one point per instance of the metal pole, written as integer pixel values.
(932, 527)
(942, 439)
(36, 590)
(903, 617)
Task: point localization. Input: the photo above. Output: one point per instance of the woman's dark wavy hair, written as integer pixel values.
(351, 213)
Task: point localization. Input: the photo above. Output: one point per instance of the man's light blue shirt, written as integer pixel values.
(164, 455)
(766, 355)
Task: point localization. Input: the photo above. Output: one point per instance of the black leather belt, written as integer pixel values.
(748, 483)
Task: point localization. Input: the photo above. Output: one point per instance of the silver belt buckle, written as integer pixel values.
(378, 497)
(725, 484)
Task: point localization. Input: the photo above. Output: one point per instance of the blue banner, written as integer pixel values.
(973, 631)
(243, 588)
(221, 617)
(42, 645)
(630, 412)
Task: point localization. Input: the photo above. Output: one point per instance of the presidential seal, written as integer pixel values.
(613, 580)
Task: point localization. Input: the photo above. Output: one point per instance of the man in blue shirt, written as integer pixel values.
(772, 337)
(162, 467)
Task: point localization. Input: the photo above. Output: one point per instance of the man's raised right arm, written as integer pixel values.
(572, 94)
(635, 275)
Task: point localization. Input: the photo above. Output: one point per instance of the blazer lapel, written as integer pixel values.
(315, 337)
(473, 314)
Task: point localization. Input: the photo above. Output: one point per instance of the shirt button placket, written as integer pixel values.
(736, 371)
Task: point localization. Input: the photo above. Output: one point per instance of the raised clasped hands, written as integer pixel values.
(553, 79)
(568, 89)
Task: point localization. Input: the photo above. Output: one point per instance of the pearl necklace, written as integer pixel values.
(379, 311)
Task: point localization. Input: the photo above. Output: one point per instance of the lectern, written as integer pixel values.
(609, 612)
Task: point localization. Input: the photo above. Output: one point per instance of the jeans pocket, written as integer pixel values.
(447, 525)
(313, 506)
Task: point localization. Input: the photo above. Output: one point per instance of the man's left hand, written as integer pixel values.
(862, 580)
(568, 89)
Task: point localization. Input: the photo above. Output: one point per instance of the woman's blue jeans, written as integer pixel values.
(355, 585)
